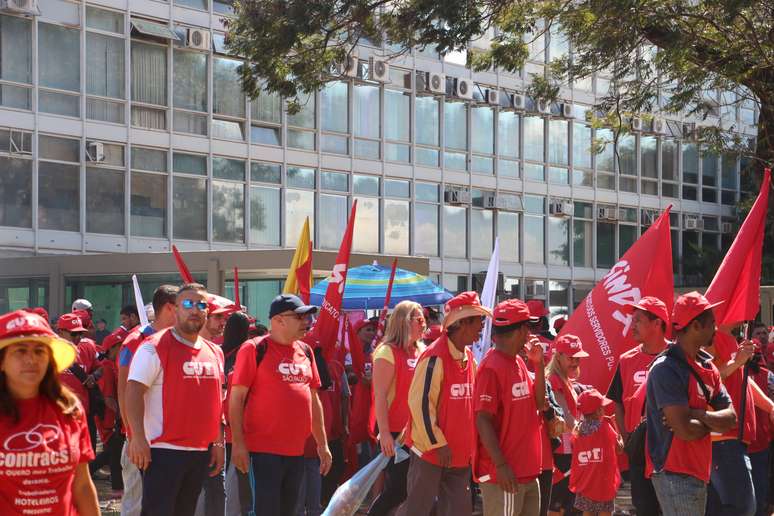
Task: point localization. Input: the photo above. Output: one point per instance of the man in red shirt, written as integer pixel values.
(650, 318)
(174, 408)
(507, 403)
(274, 406)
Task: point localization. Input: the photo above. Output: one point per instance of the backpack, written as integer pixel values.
(322, 367)
(96, 398)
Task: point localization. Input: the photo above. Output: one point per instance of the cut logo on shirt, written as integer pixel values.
(520, 390)
(193, 369)
(292, 372)
(589, 456)
(461, 390)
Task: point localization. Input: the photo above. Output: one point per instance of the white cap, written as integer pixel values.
(81, 304)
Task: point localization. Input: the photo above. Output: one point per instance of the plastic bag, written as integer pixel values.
(350, 495)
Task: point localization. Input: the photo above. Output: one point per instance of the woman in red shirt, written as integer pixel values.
(44, 438)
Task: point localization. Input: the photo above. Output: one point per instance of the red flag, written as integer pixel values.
(236, 287)
(644, 270)
(383, 314)
(181, 266)
(738, 279)
(328, 323)
(355, 349)
(304, 276)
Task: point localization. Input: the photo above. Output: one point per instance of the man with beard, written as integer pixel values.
(174, 408)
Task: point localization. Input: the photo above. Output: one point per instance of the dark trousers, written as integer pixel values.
(643, 495)
(730, 491)
(92, 431)
(760, 475)
(545, 481)
(561, 497)
(173, 481)
(214, 490)
(111, 455)
(277, 482)
(331, 481)
(394, 491)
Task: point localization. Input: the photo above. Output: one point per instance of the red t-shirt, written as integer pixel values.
(38, 459)
(633, 367)
(108, 384)
(762, 422)
(278, 411)
(594, 469)
(504, 389)
(86, 357)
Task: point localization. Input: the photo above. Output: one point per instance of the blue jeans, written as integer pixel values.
(760, 475)
(679, 495)
(309, 494)
(730, 492)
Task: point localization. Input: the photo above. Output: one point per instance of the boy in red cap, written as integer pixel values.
(594, 476)
(507, 403)
(685, 402)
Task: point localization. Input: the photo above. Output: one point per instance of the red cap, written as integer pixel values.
(649, 304)
(114, 339)
(85, 317)
(433, 333)
(40, 311)
(511, 311)
(559, 323)
(688, 307)
(569, 345)
(362, 323)
(589, 401)
(71, 323)
(23, 326)
(537, 308)
(461, 306)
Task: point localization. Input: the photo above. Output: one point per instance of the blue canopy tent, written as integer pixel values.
(366, 288)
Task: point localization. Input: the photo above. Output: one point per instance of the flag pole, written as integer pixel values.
(383, 314)
(236, 288)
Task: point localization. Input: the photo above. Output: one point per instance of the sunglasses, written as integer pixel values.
(189, 304)
(300, 317)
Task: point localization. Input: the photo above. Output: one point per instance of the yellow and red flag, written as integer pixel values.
(299, 280)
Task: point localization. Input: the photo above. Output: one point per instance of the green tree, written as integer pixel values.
(663, 55)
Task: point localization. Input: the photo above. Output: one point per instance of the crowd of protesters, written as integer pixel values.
(205, 412)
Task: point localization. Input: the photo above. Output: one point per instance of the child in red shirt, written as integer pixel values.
(594, 475)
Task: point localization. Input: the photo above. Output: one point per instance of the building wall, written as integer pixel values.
(188, 160)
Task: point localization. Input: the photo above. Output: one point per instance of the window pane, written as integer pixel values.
(396, 188)
(58, 196)
(365, 185)
(456, 125)
(16, 49)
(366, 111)
(366, 237)
(558, 241)
(60, 149)
(581, 145)
(104, 66)
(104, 201)
(427, 121)
(481, 226)
(190, 91)
(305, 116)
(605, 245)
(668, 160)
(533, 239)
(582, 243)
(709, 170)
(333, 210)
(729, 171)
(455, 232)
(426, 229)
(227, 96)
(508, 233)
(264, 216)
(557, 142)
(334, 144)
(299, 204)
(267, 107)
(690, 163)
(189, 164)
(59, 104)
(266, 172)
(508, 134)
(149, 205)
(483, 130)
(301, 177)
(224, 168)
(397, 107)
(59, 64)
(649, 157)
(397, 152)
(426, 192)
(228, 212)
(300, 139)
(149, 74)
(533, 138)
(195, 4)
(108, 21)
(606, 156)
(627, 150)
(270, 136)
(190, 208)
(334, 107)
(396, 226)
(627, 235)
(16, 192)
(189, 123)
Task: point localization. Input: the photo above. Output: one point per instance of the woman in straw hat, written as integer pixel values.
(44, 439)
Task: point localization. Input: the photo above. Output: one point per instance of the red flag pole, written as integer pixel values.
(181, 266)
(236, 287)
(383, 314)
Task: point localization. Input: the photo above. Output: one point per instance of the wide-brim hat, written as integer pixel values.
(463, 306)
(21, 326)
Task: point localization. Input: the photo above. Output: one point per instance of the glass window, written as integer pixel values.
(104, 66)
(508, 233)
(190, 208)
(16, 192)
(333, 210)
(558, 241)
(558, 175)
(606, 156)
(396, 188)
(365, 185)
(299, 204)
(190, 91)
(104, 201)
(455, 232)
(264, 215)
(16, 49)
(533, 239)
(649, 156)
(224, 168)
(426, 192)
(583, 236)
(627, 150)
(189, 163)
(366, 111)
(271, 136)
(366, 237)
(337, 181)
(729, 172)
(109, 21)
(59, 64)
(301, 177)
(508, 134)
(267, 107)
(605, 245)
(533, 138)
(397, 109)
(396, 226)
(557, 142)
(428, 120)
(669, 160)
(482, 133)
(709, 170)
(227, 96)
(581, 145)
(456, 125)
(228, 211)
(148, 204)
(305, 116)
(266, 172)
(334, 106)
(149, 84)
(194, 4)
(627, 235)
(690, 163)
(58, 196)
(60, 149)
(481, 228)
(426, 229)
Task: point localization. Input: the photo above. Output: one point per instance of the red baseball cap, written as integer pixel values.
(559, 323)
(688, 307)
(23, 326)
(362, 323)
(85, 317)
(537, 308)
(433, 333)
(649, 304)
(114, 339)
(511, 311)
(40, 311)
(70, 322)
(571, 345)
(589, 401)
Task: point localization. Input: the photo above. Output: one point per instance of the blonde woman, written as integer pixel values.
(394, 361)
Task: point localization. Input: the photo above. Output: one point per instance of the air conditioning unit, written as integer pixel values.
(463, 88)
(659, 126)
(435, 83)
(543, 107)
(636, 124)
(726, 227)
(518, 101)
(456, 196)
(198, 39)
(95, 152)
(567, 111)
(379, 70)
(607, 214)
(348, 67)
(492, 97)
(28, 7)
(490, 201)
(693, 223)
(560, 208)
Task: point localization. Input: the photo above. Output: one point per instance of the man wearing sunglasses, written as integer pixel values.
(174, 409)
(274, 406)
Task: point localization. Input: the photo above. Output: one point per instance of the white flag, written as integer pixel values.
(488, 297)
(138, 301)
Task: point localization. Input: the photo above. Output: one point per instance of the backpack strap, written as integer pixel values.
(260, 350)
(684, 363)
